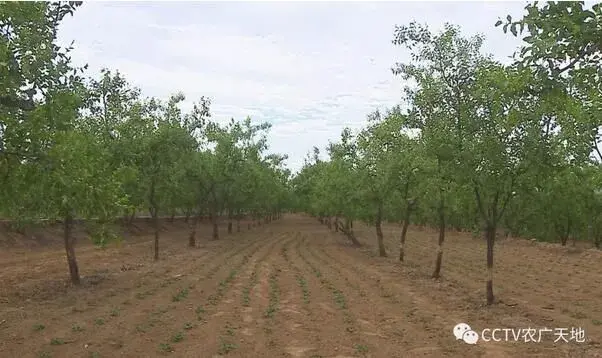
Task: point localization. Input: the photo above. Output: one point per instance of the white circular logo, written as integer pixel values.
(462, 331)
(459, 330)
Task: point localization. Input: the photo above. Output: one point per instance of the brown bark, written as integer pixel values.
(441, 239)
(490, 236)
(404, 229)
(70, 250)
(192, 237)
(157, 228)
(382, 252)
(132, 216)
(348, 231)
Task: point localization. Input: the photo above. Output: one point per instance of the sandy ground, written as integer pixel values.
(292, 288)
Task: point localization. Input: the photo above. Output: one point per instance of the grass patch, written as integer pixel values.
(339, 298)
(303, 284)
(56, 342)
(178, 337)
(361, 349)
(165, 347)
(180, 295)
(226, 347)
(274, 294)
(38, 327)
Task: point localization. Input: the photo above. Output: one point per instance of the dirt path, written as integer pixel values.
(292, 288)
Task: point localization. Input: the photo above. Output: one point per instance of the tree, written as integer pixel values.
(444, 72)
(164, 149)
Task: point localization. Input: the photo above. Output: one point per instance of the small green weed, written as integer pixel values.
(165, 347)
(56, 342)
(180, 295)
(178, 337)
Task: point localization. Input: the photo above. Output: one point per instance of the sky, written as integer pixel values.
(308, 68)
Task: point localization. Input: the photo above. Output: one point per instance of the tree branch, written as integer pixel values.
(479, 201)
(571, 64)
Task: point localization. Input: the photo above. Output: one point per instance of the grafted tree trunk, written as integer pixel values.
(70, 249)
(230, 218)
(132, 216)
(564, 236)
(441, 239)
(382, 252)
(214, 223)
(155, 218)
(348, 231)
(404, 229)
(154, 211)
(490, 230)
(194, 224)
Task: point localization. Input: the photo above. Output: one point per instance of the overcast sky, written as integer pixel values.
(308, 68)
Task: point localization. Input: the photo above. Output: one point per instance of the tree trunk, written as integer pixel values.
(173, 216)
(564, 237)
(382, 252)
(348, 231)
(229, 222)
(490, 230)
(215, 226)
(441, 210)
(404, 229)
(157, 228)
(70, 250)
(132, 216)
(192, 237)
(336, 224)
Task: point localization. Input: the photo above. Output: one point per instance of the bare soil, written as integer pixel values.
(292, 288)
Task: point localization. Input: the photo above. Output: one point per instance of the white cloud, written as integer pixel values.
(308, 68)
